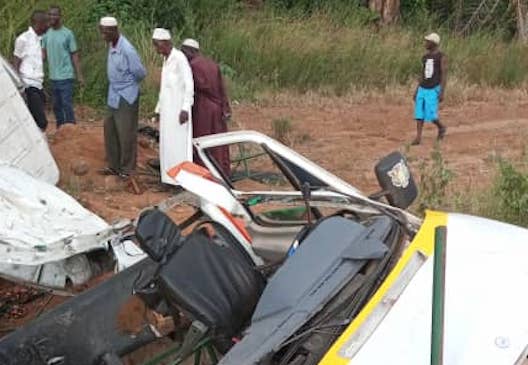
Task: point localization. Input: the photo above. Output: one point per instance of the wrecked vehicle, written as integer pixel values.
(281, 263)
(284, 263)
(45, 235)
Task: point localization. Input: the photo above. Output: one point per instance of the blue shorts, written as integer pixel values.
(427, 103)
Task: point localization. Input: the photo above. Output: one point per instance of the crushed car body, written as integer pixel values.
(484, 308)
(284, 263)
(22, 144)
(44, 233)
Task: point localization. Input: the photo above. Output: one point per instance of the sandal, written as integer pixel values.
(107, 171)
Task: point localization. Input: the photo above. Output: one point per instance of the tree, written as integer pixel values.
(521, 15)
(389, 10)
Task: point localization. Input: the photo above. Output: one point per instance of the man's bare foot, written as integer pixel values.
(416, 142)
(134, 186)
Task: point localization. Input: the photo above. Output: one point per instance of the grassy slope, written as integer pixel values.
(264, 50)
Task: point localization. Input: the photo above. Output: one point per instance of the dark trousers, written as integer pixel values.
(36, 101)
(120, 132)
(63, 101)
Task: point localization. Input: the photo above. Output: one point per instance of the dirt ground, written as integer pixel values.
(345, 136)
(348, 139)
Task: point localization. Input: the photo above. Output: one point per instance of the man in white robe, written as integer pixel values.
(174, 105)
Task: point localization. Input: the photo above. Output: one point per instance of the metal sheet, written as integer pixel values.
(485, 309)
(84, 328)
(22, 144)
(40, 223)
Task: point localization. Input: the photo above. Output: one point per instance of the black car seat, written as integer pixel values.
(211, 279)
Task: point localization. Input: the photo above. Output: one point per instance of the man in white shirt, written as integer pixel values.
(174, 105)
(29, 64)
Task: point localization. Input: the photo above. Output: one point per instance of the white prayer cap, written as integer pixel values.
(434, 38)
(191, 43)
(161, 34)
(108, 21)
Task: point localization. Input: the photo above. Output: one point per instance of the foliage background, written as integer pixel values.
(330, 46)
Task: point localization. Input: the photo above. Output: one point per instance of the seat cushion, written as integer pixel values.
(157, 234)
(213, 282)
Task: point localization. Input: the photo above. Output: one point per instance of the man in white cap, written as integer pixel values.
(174, 105)
(430, 91)
(211, 109)
(125, 73)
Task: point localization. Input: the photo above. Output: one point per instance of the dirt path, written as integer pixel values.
(348, 139)
(344, 137)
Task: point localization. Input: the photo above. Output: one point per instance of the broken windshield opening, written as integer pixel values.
(254, 167)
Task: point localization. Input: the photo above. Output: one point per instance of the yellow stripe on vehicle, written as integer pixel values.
(422, 243)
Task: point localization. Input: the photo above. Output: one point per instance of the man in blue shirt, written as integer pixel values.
(125, 72)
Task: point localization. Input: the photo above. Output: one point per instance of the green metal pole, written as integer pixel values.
(437, 330)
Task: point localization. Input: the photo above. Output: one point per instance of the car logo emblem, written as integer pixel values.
(400, 175)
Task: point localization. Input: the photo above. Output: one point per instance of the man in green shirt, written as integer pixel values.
(61, 51)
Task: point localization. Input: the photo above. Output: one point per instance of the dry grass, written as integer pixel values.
(457, 93)
(266, 52)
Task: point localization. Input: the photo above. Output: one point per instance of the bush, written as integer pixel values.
(511, 194)
(282, 130)
(324, 46)
(506, 200)
(182, 16)
(435, 177)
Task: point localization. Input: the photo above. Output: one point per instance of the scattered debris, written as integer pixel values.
(13, 299)
(150, 132)
(80, 167)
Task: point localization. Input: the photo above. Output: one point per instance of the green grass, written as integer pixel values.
(506, 199)
(327, 50)
(434, 179)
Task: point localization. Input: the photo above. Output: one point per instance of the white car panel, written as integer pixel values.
(485, 308)
(22, 144)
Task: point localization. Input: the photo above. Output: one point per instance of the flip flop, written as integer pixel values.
(107, 171)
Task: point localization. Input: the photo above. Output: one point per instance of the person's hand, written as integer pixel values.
(184, 117)
(226, 117)
(80, 80)
(441, 97)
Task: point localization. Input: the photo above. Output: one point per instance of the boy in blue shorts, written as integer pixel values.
(430, 92)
